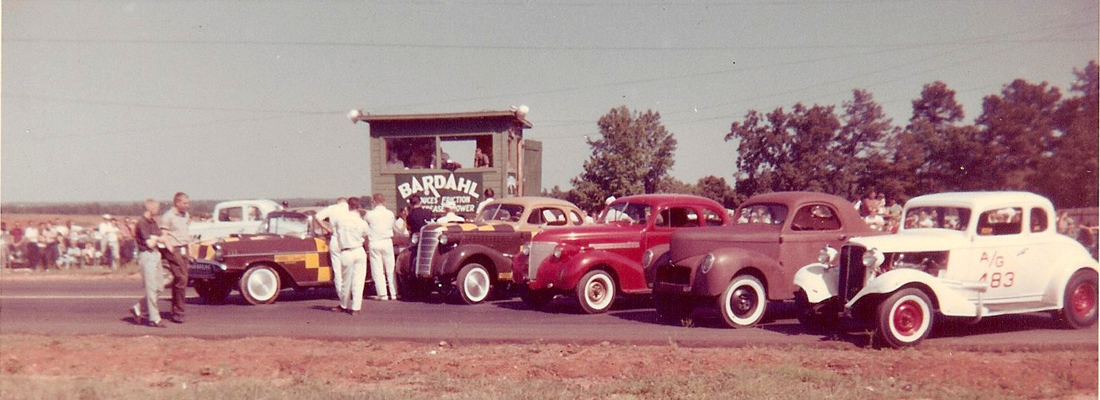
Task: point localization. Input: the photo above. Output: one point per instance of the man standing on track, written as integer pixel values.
(326, 218)
(146, 235)
(350, 231)
(174, 226)
(381, 220)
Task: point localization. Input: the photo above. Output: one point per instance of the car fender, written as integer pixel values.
(404, 263)
(1056, 288)
(950, 299)
(818, 281)
(660, 257)
(454, 260)
(729, 262)
(628, 272)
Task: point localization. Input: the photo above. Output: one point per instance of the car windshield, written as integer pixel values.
(634, 213)
(768, 214)
(501, 212)
(937, 217)
(284, 224)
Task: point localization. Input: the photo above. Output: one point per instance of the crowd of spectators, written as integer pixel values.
(52, 244)
(878, 213)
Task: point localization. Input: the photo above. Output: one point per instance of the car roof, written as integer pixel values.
(528, 201)
(980, 200)
(794, 198)
(664, 198)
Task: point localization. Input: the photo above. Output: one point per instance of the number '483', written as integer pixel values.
(998, 279)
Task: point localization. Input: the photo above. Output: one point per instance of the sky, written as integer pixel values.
(106, 100)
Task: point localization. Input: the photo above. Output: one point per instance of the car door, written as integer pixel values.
(1000, 253)
(811, 227)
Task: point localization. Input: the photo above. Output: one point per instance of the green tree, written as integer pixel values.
(632, 155)
(1068, 173)
(1017, 129)
(715, 188)
(784, 151)
(859, 146)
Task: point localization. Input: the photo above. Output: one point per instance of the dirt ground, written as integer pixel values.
(33, 366)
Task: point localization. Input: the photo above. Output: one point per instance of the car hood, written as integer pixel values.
(914, 240)
(590, 234)
(691, 242)
(472, 227)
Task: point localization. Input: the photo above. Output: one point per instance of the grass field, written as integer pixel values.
(102, 367)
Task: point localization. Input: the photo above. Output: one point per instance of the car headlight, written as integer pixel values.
(218, 252)
(525, 249)
(646, 258)
(873, 258)
(706, 263)
(558, 251)
(443, 239)
(415, 238)
(827, 255)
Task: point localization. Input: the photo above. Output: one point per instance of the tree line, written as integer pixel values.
(1029, 136)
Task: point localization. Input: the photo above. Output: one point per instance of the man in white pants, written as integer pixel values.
(147, 234)
(350, 231)
(330, 214)
(381, 220)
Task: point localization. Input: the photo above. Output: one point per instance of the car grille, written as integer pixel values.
(539, 252)
(425, 251)
(673, 274)
(852, 272)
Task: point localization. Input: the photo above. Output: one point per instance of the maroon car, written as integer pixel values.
(597, 262)
(739, 268)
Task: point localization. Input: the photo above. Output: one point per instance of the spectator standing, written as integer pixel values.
(380, 235)
(481, 159)
(449, 215)
(126, 242)
(101, 230)
(175, 230)
(147, 237)
(418, 216)
(30, 245)
(53, 246)
(326, 218)
(350, 232)
(5, 244)
(489, 197)
(111, 237)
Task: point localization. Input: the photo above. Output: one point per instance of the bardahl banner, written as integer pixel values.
(457, 189)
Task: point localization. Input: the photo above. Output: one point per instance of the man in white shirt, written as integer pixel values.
(350, 231)
(381, 221)
(109, 241)
(449, 213)
(330, 214)
(489, 197)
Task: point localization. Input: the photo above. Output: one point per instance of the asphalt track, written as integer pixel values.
(99, 307)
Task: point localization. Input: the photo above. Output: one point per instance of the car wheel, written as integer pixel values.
(596, 292)
(260, 285)
(212, 292)
(820, 318)
(673, 309)
(474, 283)
(905, 318)
(536, 299)
(1079, 301)
(743, 303)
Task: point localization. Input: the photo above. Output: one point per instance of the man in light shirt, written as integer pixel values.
(325, 218)
(176, 234)
(449, 215)
(350, 231)
(489, 197)
(381, 220)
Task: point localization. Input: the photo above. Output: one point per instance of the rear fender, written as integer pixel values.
(660, 257)
(818, 281)
(1056, 288)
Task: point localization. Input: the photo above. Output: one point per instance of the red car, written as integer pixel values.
(598, 262)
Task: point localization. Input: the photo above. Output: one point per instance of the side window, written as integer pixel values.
(815, 217)
(253, 213)
(548, 216)
(576, 218)
(678, 217)
(1038, 220)
(712, 218)
(1002, 221)
(230, 214)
